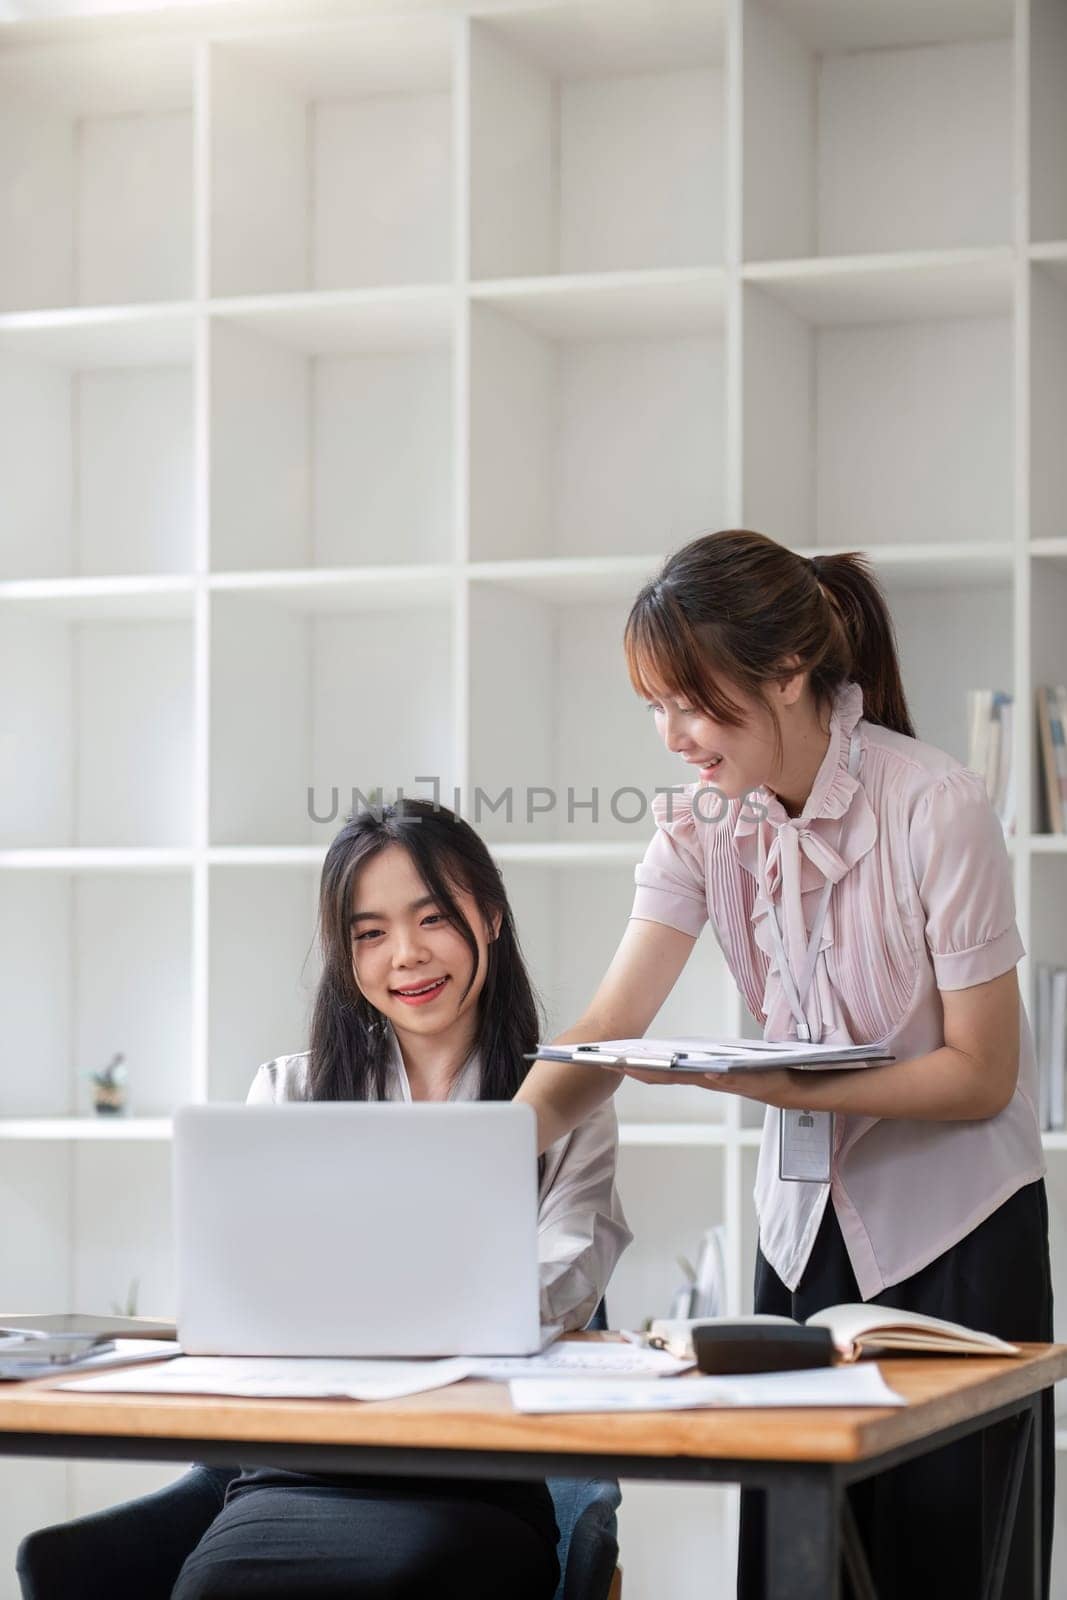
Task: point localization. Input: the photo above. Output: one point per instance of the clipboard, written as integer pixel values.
(696, 1057)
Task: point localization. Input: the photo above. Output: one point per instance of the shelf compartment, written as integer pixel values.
(346, 322)
(749, 1222)
(611, 855)
(119, 1244)
(96, 750)
(96, 173)
(586, 445)
(100, 599)
(50, 1130)
(865, 129)
(306, 855)
(670, 1199)
(350, 698)
(934, 566)
(570, 581)
(94, 963)
(96, 444)
(669, 1135)
(1056, 1190)
(606, 305)
(551, 708)
(596, 139)
(35, 1238)
(331, 157)
(264, 970)
(1048, 666)
(1048, 120)
(117, 860)
(1048, 938)
(944, 652)
(328, 590)
(570, 919)
(911, 286)
(899, 432)
(331, 434)
(1048, 399)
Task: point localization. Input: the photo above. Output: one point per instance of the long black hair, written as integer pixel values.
(350, 1039)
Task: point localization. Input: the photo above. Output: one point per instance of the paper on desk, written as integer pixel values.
(860, 1385)
(264, 1377)
(281, 1377)
(576, 1358)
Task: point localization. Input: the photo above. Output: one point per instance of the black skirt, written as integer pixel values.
(926, 1525)
(334, 1536)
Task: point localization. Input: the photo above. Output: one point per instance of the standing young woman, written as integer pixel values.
(859, 887)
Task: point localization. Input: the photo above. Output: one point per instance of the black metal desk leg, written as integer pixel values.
(859, 1573)
(803, 1513)
(1038, 1489)
(1007, 1528)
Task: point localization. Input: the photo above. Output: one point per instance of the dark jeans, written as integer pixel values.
(284, 1535)
(923, 1524)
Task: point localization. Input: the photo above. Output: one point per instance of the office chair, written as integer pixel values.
(138, 1548)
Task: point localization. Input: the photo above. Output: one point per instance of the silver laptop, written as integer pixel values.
(353, 1229)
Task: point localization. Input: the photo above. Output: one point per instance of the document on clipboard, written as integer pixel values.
(699, 1056)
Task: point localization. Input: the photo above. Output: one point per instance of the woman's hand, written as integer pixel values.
(970, 1077)
(775, 1087)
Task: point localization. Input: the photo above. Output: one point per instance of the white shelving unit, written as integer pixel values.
(355, 371)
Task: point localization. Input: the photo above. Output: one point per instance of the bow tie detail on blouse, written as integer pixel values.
(799, 856)
(836, 828)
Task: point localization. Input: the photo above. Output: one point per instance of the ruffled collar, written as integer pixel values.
(836, 828)
(833, 793)
(834, 787)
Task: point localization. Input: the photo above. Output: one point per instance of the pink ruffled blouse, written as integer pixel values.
(922, 902)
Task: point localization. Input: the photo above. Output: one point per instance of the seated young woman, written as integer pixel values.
(424, 995)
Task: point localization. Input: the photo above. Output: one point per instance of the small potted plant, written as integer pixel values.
(128, 1308)
(109, 1087)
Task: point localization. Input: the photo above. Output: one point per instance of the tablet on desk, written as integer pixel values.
(76, 1323)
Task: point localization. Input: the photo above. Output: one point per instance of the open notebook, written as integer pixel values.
(856, 1330)
(712, 1055)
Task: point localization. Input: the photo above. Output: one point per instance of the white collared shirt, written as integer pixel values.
(581, 1230)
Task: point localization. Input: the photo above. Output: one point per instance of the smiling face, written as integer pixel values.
(736, 760)
(408, 957)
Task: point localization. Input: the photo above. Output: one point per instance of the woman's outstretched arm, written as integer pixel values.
(643, 971)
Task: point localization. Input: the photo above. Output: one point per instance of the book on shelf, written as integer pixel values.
(1050, 1044)
(1052, 742)
(990, 722)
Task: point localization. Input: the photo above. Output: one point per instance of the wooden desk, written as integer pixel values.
(803, 1459)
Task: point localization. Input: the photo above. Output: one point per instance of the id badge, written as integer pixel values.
(805, 1145)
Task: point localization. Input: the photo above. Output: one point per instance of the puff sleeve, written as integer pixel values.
(671, 879)
(964, 881)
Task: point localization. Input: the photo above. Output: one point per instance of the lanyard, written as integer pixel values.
(796, 993)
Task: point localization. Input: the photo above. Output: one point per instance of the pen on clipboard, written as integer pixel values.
(596, 1054)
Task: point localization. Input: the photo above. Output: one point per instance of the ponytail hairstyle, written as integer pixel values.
(733, 608)
(350, 1039)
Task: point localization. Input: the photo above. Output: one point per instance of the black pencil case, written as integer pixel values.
(725, 1347)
